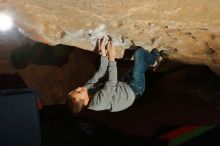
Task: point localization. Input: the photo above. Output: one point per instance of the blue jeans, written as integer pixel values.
(136, 76)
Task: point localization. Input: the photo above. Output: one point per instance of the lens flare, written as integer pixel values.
(6, 22)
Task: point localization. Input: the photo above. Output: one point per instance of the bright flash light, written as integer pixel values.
(6, 22)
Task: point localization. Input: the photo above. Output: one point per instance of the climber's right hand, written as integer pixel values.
(101, 45)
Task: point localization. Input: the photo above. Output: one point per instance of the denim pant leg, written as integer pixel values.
(136, 79)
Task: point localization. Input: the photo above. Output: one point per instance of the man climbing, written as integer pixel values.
(114, 95)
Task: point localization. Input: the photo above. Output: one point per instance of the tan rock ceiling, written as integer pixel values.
(189, 29)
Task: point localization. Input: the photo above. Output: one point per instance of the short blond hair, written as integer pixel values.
(73, 105)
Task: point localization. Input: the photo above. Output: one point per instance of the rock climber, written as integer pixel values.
(114, 95)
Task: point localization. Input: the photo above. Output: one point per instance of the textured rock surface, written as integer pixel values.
(188, 29)
(55, 70)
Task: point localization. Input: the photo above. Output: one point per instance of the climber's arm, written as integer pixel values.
(103, 65)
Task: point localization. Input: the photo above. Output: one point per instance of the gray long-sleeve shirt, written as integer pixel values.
(115, 95)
